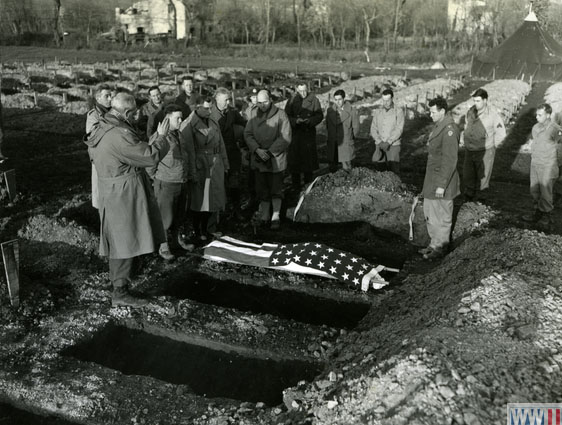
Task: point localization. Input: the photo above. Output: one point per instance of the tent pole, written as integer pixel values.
(471, 63)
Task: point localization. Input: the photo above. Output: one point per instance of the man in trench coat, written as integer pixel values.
(441, 183)
(342, 124)
(305, 113)
(268, 136)
(131, 224)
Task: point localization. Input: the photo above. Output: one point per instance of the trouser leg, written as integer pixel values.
(439, 219)
(296, 180)
(487, 167)
(469, 174)
(534, 188)
(393, 159)
(120, 271)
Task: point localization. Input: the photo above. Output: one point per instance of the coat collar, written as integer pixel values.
(345, 111)
(440, 126)
(198, 124)
(265, 116)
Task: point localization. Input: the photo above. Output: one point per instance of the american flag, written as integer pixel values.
(305, 257)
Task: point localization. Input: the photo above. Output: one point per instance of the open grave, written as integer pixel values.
(225, 344)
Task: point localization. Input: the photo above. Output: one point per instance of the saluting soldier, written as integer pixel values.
(441, 183)
(131, 224)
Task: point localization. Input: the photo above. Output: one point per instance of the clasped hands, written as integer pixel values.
(384, 146)
(262, 154)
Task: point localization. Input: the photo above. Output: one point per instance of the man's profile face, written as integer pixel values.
(104, 98)
(155, 96)
(302, 90)
(204, 110)
(187, 86)
(175, 119)
(479, 103)
(339, 100)
(222, 101)
(542, 116)
(436, 113)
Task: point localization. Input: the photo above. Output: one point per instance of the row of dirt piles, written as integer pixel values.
(453, 345)
(68, 87)
(505, 96)
(411, 95)
(382, 200)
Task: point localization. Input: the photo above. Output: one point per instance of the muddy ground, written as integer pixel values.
(449, 341)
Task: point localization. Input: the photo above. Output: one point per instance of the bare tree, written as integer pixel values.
(57, 24)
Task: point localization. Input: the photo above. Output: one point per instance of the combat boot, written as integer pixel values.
(164, 252)
(533, 218)
(122, 297)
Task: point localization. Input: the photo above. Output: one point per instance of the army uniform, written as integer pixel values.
(441, 172)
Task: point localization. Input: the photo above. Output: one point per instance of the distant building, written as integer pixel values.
(155, 18)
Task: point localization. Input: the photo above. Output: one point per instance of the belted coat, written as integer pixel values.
(208, 162)
(342, 125)
(131, 224)
(441, 170)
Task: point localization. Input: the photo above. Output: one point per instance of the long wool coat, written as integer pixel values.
(343, 127)
(208, 163)
(131, 224)
(303, 156)
(441, 169)
(227, 123)
(271, 131)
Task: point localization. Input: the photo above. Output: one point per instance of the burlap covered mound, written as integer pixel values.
(380, 199)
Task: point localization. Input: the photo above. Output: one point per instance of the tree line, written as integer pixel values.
(335, 24)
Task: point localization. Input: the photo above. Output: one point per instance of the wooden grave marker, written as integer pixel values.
(10, 256)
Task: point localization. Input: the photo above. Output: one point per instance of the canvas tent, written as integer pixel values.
(529, 52)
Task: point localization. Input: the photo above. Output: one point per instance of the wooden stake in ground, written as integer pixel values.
(10, 183)
(10, 256)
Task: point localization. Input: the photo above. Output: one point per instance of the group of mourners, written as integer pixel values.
(153, 165)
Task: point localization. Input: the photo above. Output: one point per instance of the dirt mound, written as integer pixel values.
(463, 340)
(382, 200)
(54, 247)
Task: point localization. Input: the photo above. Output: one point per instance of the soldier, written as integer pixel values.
(386, 130)
(342, 124)
(228, 118)
(268, 135)
(484, 131)
(209, 162)
(102, 103)
(131, 224)
(441, 183)
(305, 113)
(2, 157)
(545, 160)
(170, 185)
(149, 110)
